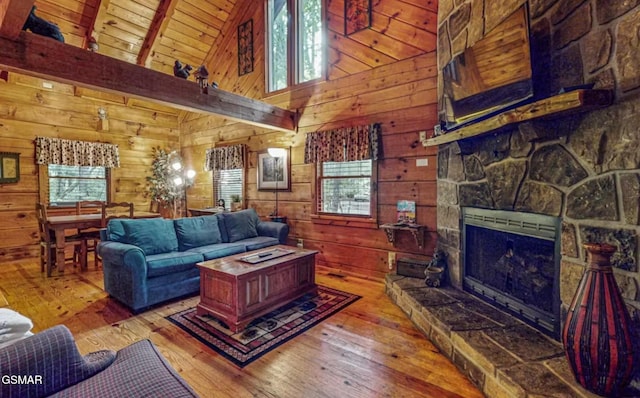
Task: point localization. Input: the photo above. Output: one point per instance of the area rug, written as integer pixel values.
(267, 332)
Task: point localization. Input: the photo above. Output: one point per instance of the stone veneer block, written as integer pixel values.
(553, 164)
(459, 20)
(594, 199)
(535, 197)
(608, 10)
(566, 68)
(564, 10)
(570, 275)
(475, 195)
(448, 216)
(444, 47)
(597, 50)
(447, 193)
(576, 26)
(421, 322)
(493, 389)
(482, 351)
(497, 10)
(474, 373)
(630, 187)
(473, 168)
(538, 7)
(504, 180)
(430, 297)
(441, 340)
(525, 342)
(534, 379)
(460, 317)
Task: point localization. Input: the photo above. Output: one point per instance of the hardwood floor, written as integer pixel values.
(369, 349)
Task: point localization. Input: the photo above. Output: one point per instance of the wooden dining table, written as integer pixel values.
(60, 224)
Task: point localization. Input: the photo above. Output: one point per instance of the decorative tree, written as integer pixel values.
(169, 179)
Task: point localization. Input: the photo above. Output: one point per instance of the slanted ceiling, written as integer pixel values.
(153, 33)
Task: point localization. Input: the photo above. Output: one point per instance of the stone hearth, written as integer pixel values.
(502, 356)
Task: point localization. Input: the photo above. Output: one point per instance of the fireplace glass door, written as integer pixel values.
(513, 264)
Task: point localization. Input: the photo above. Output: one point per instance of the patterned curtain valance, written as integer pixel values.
(76, 153)
(224, 158)
(344, 145)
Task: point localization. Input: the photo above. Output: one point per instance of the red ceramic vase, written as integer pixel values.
(597, 332)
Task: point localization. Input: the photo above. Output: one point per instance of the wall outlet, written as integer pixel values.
(392, 259)
(300, 243)
(423, 135)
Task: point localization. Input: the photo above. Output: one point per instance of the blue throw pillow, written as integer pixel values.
(241, 224)
(152, 235)
(197, 231)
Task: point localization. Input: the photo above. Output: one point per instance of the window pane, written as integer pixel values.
(227, 183)
(69, 184)
(345, 187)
(278, 32)
(310, 39)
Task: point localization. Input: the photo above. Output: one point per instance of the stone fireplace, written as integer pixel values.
(512, 261)
(581, 169)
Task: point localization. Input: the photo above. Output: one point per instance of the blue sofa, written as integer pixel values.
(48, 364)
(148, 261)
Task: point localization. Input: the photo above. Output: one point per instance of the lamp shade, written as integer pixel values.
(277, 152)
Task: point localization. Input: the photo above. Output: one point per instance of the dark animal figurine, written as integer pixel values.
(42, 27)
(181, 71)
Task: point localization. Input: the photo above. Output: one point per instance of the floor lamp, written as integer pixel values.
(276, 154)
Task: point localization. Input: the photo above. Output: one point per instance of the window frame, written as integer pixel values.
(352, 220)
(294, 46)
(43, 187)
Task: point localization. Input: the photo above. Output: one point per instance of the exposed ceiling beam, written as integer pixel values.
(13, 15)
(46, 58)
(158, 25)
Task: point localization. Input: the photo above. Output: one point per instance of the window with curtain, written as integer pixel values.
(228, 166)
(74, 170)
(346, 161)
(295, 44)
(345, 187)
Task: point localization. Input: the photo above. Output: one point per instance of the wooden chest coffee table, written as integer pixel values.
(240, 288)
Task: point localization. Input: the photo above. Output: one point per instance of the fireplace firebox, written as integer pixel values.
(512, 261)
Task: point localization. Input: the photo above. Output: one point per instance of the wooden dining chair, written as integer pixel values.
(90, 235)
(48, 243)
(116, 210)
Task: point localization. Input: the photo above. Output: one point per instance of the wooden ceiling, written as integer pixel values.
(152, 33)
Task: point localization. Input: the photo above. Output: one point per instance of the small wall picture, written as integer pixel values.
(9, 167)
(357, 15)
(245, 48)
(274, 173)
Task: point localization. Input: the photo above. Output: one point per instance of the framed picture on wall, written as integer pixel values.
(245, 48)
(357, 15)
(9, 167)
(274, 173)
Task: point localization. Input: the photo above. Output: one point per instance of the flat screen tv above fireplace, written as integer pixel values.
(492, 75)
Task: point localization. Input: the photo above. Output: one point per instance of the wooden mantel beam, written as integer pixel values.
(47, 58)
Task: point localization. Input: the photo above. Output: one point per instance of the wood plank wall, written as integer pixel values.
(377, 75)
(28, 110)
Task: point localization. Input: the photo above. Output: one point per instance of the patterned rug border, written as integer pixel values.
(242, 358)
